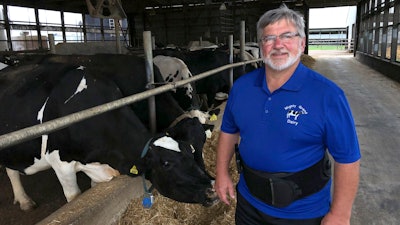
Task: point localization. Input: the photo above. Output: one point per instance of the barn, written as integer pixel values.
(124, 27)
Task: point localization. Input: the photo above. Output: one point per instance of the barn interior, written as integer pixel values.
(179, 22)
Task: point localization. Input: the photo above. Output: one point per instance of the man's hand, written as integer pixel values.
(224, 188)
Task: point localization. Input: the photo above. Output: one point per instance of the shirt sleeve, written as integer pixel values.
(228, 121)
(341, 136)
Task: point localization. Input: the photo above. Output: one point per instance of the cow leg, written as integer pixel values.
(66, 174)
(20, 196)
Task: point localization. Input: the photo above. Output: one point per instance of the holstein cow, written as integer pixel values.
(172, 70)
(102, 147)
(204, 60)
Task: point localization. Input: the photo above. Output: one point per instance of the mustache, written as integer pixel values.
(280, 51)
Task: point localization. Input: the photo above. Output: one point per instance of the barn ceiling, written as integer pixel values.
(137, 6)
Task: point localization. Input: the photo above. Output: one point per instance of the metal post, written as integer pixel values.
(117, 40)
(148, 53)
(39, 35)
(230, 61)
(242, 41)
(52, 44)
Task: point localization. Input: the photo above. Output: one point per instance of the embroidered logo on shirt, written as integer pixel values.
(293, 112)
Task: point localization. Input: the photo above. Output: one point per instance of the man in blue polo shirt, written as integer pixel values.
(285, 118)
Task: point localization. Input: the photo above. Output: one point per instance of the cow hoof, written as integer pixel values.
(27, 206)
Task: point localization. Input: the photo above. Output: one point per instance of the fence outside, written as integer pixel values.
(339, 42)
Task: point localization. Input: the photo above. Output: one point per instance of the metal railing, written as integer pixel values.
(35, 131)
(340, 41)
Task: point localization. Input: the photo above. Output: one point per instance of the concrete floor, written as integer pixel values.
(375, 103)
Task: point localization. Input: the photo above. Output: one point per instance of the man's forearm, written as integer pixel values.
(346, 179)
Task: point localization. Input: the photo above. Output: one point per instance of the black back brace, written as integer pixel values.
(281, 189)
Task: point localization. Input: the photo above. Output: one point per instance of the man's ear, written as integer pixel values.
(303, 44)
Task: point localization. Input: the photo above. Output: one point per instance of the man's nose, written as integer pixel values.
(278, 42)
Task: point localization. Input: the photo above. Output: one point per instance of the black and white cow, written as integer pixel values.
(203, 60)
(172, 70)
(103, 146)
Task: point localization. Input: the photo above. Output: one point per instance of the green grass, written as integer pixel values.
(326, 47)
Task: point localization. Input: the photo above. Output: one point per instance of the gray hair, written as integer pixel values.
(283, 12)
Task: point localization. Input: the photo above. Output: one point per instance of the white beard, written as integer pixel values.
(289, 62)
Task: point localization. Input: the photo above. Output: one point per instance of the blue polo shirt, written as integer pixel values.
(289, 130)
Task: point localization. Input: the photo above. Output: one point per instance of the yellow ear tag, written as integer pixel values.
(134, 170)
(213, 117)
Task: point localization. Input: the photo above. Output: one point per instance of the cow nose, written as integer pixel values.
(211, 197)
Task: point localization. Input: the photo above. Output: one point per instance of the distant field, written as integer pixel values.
(326, 47)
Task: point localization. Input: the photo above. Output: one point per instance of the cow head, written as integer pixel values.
(175, 173)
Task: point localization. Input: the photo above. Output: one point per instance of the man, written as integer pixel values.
(287, 117)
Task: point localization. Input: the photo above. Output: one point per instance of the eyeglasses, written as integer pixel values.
(285, 38)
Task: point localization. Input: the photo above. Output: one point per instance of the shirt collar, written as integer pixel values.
(297, 80)
(294, 83)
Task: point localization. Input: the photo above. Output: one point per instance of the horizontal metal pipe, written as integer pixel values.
(16, 137)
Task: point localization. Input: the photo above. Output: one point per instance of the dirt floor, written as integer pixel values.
(43, 188)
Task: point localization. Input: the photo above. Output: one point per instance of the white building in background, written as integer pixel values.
(351, 25)
(333, 30)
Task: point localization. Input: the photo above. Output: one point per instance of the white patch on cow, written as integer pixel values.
(173, 69)
(208, 133)
(81, 68)
(44, 145)
(82, 86)
(41, 111)
(203, 117)
(98, 172)
(37, 166)
(66, 174)
(168, 143)
(193, 150)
